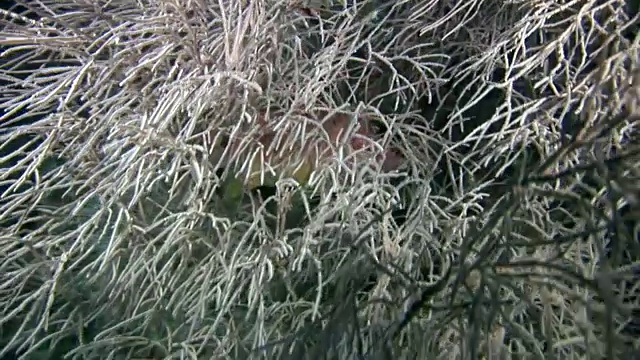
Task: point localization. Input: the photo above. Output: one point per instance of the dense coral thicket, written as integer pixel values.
(473, 192)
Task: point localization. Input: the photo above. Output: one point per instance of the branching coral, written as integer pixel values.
(503, 223)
